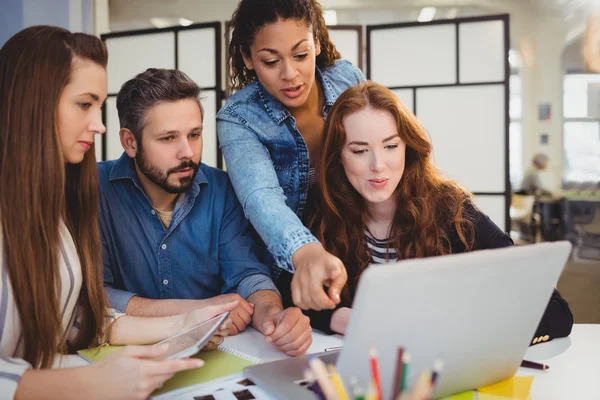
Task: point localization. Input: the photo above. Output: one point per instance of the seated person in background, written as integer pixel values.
(382, 199)
(173, 232)
(534, 183)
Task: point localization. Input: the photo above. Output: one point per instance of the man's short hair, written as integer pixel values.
(148, 89)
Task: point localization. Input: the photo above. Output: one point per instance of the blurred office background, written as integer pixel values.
(553, 105)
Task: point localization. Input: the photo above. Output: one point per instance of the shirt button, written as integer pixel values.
(164, 247)
(166, 282)
(153, 212)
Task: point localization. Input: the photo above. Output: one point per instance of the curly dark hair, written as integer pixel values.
(251, 15)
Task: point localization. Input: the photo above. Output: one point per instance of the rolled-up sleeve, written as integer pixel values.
(254, 283)
(118, 298)
(11, 371)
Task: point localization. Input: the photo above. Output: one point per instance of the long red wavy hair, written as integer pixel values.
(429, 207)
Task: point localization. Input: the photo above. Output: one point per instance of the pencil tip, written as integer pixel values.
(372, 352)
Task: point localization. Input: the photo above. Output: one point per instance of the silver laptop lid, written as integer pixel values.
(476, 311)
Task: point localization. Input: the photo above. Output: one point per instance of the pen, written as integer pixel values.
(375, 373)
(534, 365)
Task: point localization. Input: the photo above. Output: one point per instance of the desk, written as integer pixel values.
(574, 361)
(574, 366)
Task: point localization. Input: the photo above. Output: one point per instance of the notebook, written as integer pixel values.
(224, 361)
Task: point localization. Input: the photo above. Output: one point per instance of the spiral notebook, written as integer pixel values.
(224, 361)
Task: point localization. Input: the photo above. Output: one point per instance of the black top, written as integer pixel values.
(556, 322)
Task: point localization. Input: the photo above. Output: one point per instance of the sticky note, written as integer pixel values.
(516, 388)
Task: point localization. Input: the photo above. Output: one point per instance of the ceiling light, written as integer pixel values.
(185, 22)
(330, 17)
(160, 22)
(452, 13)
(426, 14)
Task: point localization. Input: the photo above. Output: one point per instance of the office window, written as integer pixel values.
(515, 111)
(581, 131)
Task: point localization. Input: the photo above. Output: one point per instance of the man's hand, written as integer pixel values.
(289, 330)
(241, 316)
(315, 267)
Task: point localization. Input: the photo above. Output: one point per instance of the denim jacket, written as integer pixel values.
(268, 161)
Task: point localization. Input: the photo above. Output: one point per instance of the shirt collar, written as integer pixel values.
(124, 169)
(279, 112)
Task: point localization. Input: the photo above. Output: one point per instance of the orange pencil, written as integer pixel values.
(375, 372)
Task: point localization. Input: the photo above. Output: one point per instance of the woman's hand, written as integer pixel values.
(198, 316)
(316, 267)
(132, 373)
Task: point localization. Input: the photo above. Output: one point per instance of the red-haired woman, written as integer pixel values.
(382, 199)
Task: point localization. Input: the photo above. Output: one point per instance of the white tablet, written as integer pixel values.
(190, 341)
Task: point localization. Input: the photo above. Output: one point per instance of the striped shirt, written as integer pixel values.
(380, 252)
(12, 366)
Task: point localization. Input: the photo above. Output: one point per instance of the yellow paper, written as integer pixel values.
(98, 353)
(470, 395)
(487, 396)
(516, 388)
(217, 364)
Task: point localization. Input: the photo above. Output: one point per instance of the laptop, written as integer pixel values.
(478, 312)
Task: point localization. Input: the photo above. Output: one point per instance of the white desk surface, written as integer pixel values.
(574, 361)
(574, 366)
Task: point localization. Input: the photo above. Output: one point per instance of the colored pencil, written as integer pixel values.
(375, 373)
(338, 384)
(320, 371)
(397, 384)
(533, 365)
(405, 362)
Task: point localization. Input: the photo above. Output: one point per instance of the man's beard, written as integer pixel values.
(161, 179)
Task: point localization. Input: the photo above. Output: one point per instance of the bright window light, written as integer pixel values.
(330, 17)
(426, 14)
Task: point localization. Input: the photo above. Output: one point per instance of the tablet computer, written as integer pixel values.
(192, 340)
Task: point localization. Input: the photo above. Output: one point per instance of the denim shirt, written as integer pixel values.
(268, 161)
(207, 250)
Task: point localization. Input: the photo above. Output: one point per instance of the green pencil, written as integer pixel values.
(405, 362)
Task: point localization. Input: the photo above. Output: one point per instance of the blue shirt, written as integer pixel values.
(268, 161)
(206, 251)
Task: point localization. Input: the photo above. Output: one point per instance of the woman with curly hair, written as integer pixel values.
(382, 199)
(287, 74)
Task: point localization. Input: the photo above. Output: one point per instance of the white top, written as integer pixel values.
(12, 366)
